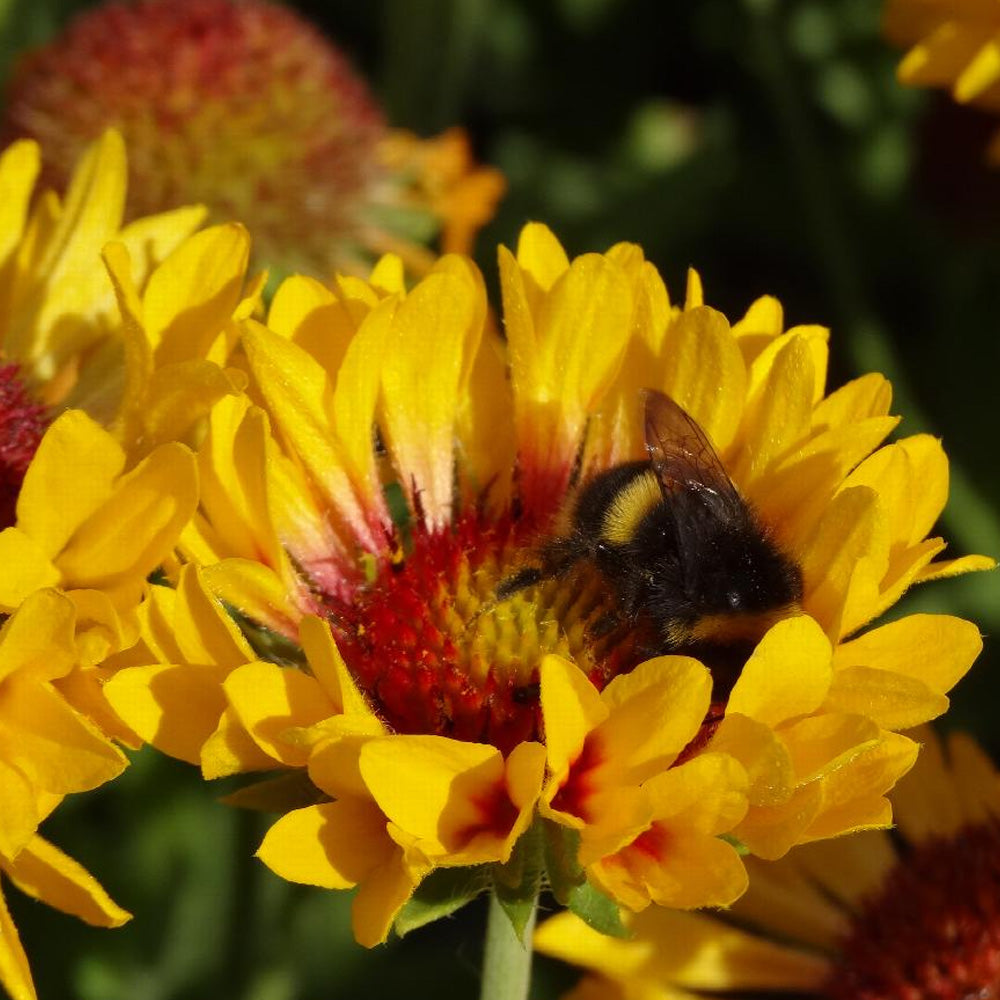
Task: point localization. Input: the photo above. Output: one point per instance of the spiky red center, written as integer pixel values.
(22, 423)
(436, 652)
(933, 931)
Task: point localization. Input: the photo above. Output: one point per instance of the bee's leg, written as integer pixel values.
(605, 626)
(521, 580)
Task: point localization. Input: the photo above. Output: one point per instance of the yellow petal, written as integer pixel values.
(822, 744)
(270, 700)
(176, 707)
(935, 649)
(71, 475)
(788, 674)
(19, 164)
(421, 387)
(893, 700)
(329, 669)
(540, 255)
(204, 631)
(26, 568)
(701, 355)
(134, 532)
(380, 898)
(180, 394)
(148, 240)
(764, 757)
(333, 845)
(571, 707)
(191, 296)
(771, 831)
(37, 641)
(436, 789)
(44, 872)
(19, 817)
(255, 591)
(230, 750)
(58, 749)
(15, 975)
(925, 802)
(976, 779)
(656, 710)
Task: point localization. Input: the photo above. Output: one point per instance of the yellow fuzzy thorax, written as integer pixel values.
(630, 506)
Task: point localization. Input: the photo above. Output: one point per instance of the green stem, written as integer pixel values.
(507, 962)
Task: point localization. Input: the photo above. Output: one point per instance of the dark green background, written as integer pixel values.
(767, 144)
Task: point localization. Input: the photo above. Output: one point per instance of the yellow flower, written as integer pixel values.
(869, 916)
(47, 750)
(950, 44)
(247, 108)
(57, 308)
(388, 573)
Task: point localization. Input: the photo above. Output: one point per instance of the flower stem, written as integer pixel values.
(507, 962)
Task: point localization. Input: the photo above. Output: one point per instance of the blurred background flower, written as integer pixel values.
(771, 145)
(248, 108)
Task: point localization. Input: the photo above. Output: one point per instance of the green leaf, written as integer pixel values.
(442, 893)
(518, 882)
(595, 909)
(561, 847)
(277, 795)
(736, 844)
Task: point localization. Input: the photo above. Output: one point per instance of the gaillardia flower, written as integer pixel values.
(870, 917)
(456, 682)
(245, 107)
(48, 750)
(950, 44)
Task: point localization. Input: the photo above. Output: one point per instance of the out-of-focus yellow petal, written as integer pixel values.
(44, 872)
(15, 975)
(19, 165)
(19, 817)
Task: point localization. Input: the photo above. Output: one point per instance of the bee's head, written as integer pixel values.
(730, 583)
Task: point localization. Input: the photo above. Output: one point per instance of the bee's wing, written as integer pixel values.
(683, 457)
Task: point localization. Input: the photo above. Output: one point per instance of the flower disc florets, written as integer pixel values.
(437, 652)
(933, 929)
(22, 423)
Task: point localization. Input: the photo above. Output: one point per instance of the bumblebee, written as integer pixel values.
(682, 553)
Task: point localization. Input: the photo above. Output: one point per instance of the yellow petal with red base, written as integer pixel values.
(461, 801)
(679, 861)
(572, 708)
(422, 388)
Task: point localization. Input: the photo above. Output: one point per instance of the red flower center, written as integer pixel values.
(22, 423)
(436, 652)
(933, 931)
